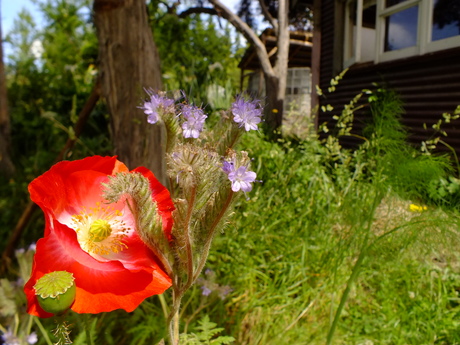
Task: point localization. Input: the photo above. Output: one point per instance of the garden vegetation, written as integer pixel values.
(335, 245)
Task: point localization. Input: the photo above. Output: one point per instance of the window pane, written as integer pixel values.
(390, 3)
(401, 29)
(446, 19)
(367, 31)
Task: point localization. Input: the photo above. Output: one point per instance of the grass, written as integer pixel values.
(321, 213)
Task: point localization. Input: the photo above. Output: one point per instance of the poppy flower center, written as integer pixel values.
(100, 230)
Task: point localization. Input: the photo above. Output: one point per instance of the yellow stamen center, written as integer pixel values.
(99, 230)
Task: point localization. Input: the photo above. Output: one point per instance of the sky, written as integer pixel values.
(11, 8)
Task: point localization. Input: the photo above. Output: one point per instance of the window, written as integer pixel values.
(359, 31)
(382, 30)
(298, 89)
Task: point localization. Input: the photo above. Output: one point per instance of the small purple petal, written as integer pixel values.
(247, 113)
(242, 179)
(153, 118)
(194, 121)
(227, 167)
(206, 291)
(32, 338)
(155, 103)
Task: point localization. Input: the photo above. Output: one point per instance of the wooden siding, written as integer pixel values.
(429, 85)
(327, 42)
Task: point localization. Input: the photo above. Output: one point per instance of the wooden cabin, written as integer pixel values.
(411, 46)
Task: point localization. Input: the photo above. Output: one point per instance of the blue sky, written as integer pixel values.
(10, 10)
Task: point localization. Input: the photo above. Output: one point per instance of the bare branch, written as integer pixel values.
(268, 16)
(248, 33)
(197, 10)
(283, 37)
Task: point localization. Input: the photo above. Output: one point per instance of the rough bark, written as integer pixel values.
(6, 165)
(129, 62)
(274, 103)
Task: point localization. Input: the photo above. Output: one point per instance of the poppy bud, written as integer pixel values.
(56, 291)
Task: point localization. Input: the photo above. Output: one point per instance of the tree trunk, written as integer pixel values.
(274, 103)
(275, 84)
(129, 62)
(6, 165)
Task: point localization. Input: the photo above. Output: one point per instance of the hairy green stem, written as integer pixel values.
(159, 254)
(43, 331)
(210, 235)
(173, 319)
(188, 244)
(89, 338)
(164, 305)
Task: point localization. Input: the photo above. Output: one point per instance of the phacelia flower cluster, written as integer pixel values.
(115, 236)
(241, 178)
(154, 105)
(247, 113)
(194, 121)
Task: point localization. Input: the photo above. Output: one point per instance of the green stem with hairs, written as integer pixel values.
(89, 338)
(173, 318)
(210, 235)
(188, 244)
(43, 330)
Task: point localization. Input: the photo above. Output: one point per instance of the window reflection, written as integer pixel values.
(446, 19)
(401, 29)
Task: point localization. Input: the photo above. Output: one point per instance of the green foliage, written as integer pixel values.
(290, 250)
(197, 57)
(50, 75)
(206, 333)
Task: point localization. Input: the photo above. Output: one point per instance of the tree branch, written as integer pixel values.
(268, 16)
(248, 33)
(197, 10)
(283, 44)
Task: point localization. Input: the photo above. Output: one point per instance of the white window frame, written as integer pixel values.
(424, 32)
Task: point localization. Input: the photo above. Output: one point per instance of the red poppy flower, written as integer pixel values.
(94, 240)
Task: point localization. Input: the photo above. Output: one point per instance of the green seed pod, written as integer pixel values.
(56, 292)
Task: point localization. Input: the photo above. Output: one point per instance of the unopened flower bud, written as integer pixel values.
(56, 291)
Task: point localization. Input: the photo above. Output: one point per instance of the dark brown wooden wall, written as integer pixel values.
(429, 85)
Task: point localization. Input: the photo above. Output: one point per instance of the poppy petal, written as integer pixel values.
(101, 286)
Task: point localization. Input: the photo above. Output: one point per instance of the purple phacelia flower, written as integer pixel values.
(9, 338)
(241, 178)
(247, 113)
(32, 338)
(224, 291)
(205, 291)
(152, 106)
(228, 167)
(194, 121)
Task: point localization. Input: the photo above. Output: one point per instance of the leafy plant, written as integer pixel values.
(206, 333)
